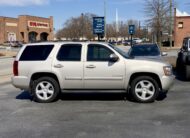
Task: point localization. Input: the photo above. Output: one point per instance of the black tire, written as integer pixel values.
(178, 71)
(187, 72)
(54, 86)
(154, 87)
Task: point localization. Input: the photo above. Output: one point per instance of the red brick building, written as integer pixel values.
(26, 29)
(181, 27)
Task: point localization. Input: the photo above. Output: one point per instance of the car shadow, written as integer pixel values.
(161, 96)
(87, 96)
(90, 96)
(82, 96)
(24, 95)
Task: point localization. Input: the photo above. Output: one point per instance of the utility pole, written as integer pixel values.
(171, 28)
(82, 29)
(105, 26)
(116, 24)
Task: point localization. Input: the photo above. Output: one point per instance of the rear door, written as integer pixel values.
(69, 66)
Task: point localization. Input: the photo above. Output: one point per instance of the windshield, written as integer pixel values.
(146, 50)
(123, 53)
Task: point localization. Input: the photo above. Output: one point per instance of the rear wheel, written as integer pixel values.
(45, 90)
(144, 89)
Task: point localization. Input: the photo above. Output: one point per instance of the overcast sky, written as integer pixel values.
(64, 9)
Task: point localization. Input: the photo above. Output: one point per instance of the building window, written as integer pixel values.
(180, 25)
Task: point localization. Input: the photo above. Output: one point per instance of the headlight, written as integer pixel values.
(168, 70)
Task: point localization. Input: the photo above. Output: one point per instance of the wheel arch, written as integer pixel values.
(153, 75)
(38, 75)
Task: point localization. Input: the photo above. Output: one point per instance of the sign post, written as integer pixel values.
(98, 26)
(131, 31)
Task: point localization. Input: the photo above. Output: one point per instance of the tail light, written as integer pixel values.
(15, 68)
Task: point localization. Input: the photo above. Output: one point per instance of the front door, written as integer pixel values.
(99, 72)
(69, 66)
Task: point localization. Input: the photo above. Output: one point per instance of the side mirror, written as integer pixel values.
(114, 58)
(164, 54)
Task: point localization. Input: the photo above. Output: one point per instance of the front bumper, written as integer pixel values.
(167, 82)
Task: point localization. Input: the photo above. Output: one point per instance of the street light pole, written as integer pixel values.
(171, 23)
(82, 17)
(105, 26)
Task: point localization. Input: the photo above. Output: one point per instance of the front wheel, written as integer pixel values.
(187, 72)
(144, 89)
(45, 90)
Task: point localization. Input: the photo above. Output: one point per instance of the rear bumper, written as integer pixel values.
(167, 82)
(21, 82)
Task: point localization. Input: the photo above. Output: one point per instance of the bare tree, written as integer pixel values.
(157, 13)
(123, 29)
(81, 27)
(111, 30)
(78, 27)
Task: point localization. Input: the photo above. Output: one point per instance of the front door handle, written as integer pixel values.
(90, 66)
(58, 66)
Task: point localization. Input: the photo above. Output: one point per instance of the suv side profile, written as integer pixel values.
(46, 69)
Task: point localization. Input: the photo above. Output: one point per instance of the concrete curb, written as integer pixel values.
(5, 79)
(5, 57)
(5, 83)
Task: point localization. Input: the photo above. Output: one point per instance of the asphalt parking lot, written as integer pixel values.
(93, 115)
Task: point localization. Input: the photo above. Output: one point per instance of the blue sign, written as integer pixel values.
(98, 25)
(131, 29)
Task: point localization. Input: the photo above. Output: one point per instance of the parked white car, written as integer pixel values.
(46, 69)
(137, 40)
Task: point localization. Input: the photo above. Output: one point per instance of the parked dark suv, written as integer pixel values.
(183, 60)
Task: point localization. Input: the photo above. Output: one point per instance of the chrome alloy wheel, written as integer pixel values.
(44, 90)
(145, 90)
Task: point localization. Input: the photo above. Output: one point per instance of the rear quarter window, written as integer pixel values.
(35, 53)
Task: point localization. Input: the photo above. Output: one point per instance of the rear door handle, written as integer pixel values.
(90, 66)
(58, 66)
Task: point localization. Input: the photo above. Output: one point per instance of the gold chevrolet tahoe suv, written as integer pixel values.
(46, 69)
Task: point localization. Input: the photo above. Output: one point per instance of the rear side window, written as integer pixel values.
(70, 52)
(37, 52)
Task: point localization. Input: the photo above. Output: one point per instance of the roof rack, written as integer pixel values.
(39, 41)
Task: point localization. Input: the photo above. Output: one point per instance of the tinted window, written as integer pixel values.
(185, 44)
(98, 53)
(37, 52)
(70, 52)
(146, 50)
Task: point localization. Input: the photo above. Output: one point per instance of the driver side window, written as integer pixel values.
(98, 52)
